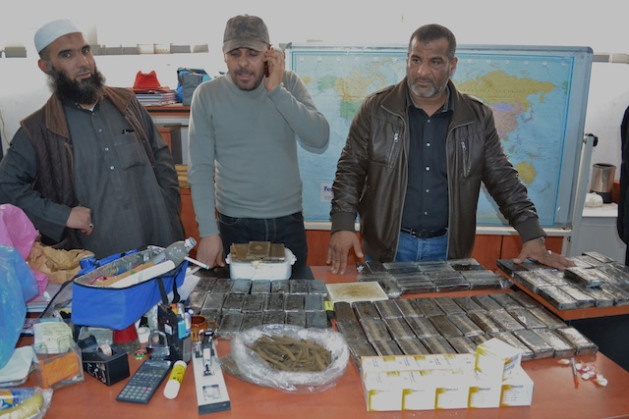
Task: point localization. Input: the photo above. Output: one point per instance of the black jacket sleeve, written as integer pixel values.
(623, 205)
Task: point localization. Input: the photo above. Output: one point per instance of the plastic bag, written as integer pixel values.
(17, 285)
(24, 402)
(254, 369)
(16, 230)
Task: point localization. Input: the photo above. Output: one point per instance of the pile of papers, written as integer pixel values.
(156, 97)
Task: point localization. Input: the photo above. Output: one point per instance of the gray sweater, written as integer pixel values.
(247, 141)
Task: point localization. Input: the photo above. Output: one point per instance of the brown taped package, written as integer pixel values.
(60, 265)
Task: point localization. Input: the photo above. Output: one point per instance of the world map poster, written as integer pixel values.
(538, 96)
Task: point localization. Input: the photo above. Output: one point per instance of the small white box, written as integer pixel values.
(452, 387)
(420, 394)
(383, 390)
(496, 358)
(443, 381)
(399, 390)
(517, 390)
(445, 361)
(485, 391)
(388, 363)
(261, 269)
(417, 362)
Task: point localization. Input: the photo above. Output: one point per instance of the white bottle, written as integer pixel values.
(174, 380)
(176, 252)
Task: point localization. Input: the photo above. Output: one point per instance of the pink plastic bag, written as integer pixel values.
(17, 231)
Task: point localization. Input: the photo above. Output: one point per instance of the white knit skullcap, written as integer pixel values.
(47, 34)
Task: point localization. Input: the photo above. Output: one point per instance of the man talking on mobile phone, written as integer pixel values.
(244, 130)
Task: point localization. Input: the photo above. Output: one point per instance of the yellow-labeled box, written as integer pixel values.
(517, 390)
(496, 358)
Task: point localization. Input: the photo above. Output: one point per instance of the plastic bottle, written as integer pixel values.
(151, 318)
(176, 252)
(174, 380)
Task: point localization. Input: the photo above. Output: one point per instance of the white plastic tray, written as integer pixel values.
(261, 269)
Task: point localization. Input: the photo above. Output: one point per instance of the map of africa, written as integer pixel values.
(529, 95)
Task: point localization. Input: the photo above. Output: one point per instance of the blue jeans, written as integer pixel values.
(288, 230)
(413, 249)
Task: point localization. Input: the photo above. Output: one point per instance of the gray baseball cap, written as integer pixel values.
(244, 31)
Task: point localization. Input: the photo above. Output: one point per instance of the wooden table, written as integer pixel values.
(175, 109)
(554, 394)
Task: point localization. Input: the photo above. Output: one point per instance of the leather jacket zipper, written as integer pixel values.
(396, 139)
(465, 158)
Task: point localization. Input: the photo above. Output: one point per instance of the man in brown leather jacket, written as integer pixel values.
(413, 164)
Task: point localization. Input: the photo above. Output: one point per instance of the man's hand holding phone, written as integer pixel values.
(273, 68)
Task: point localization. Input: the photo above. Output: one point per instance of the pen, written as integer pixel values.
(575, 376)
(196, 262)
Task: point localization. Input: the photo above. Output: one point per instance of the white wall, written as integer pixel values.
(600, 25)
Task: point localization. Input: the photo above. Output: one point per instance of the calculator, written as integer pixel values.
(145, 381)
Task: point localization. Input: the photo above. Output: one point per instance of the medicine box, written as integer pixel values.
(495, 357)
(443, 381)
(384, 390)
(417, 390)
(517, 390)
(452, 387)
(417, 362)
(484, 391)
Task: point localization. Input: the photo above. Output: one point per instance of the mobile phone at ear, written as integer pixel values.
(266, 69)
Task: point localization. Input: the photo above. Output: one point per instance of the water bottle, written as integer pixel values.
(176, 252)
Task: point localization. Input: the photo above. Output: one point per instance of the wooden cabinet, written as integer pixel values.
(188, 219)
(172, 135)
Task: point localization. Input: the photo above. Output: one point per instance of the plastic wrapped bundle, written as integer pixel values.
(255, 368)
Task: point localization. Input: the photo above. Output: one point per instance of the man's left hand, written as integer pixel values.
(536, 249)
